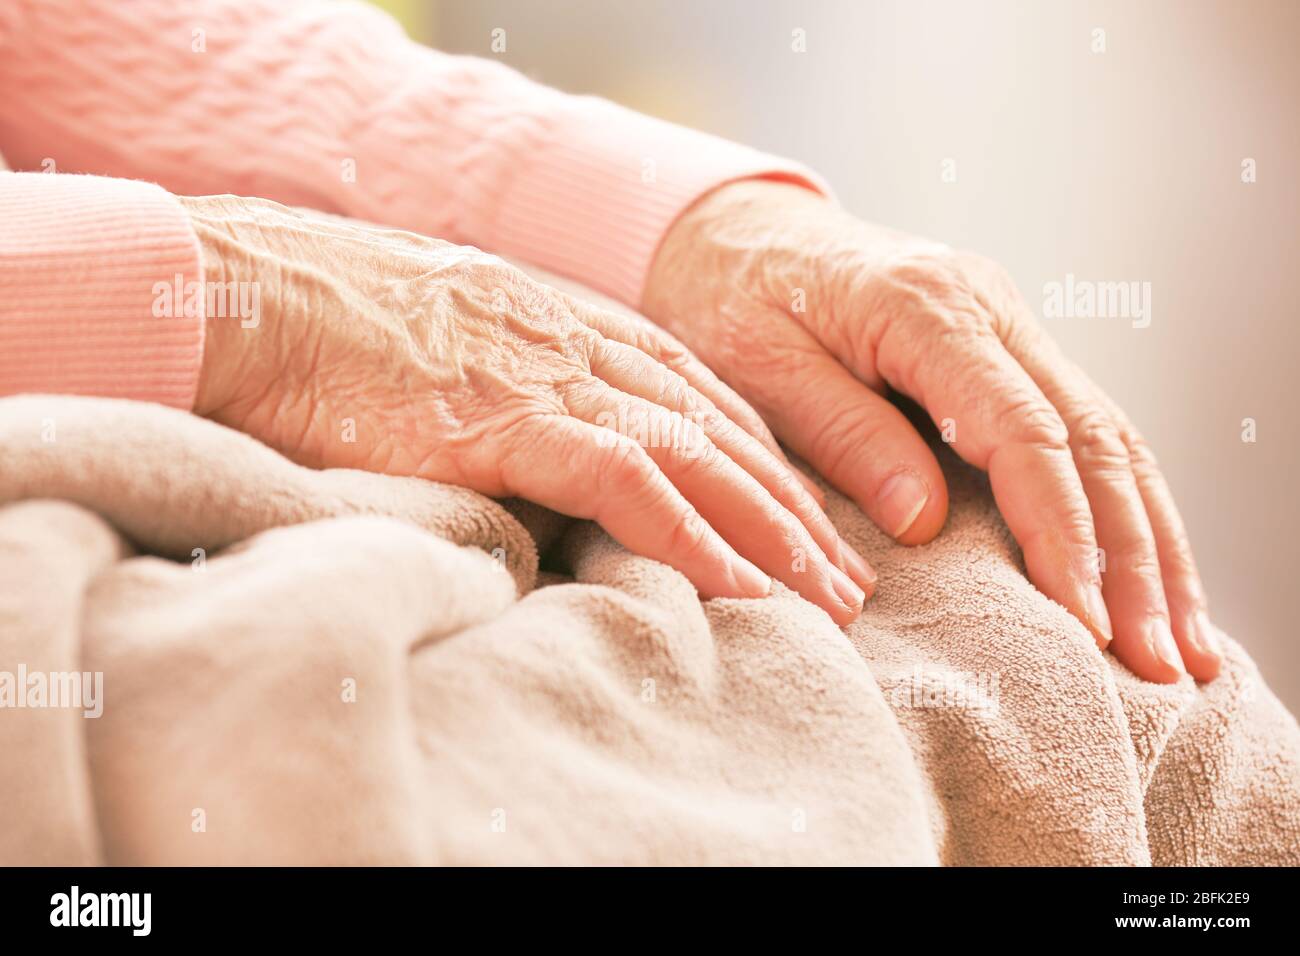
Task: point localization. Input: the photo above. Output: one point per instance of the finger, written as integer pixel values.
(863, 444)
(1129, 562)
(632, 371)
(999, 419)
(1197, 637)
(667, 351)
(725, 495)
(611, 480)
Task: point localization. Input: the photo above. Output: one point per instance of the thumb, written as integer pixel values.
(862, 444)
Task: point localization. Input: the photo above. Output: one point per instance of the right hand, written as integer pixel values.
(879, 311)
(391, 352)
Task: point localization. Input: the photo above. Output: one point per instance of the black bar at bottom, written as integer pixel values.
(334, 907)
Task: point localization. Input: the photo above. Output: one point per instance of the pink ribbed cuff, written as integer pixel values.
(597, 196)
(90, 270)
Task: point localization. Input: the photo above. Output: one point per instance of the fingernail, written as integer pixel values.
(752, 582)
(1203, 634)
(1162, 640)
(900, 502)
(862, 573)
(849, 593)
(1098, 616)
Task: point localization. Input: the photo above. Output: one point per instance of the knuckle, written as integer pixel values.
(1017, 335)
(933, 269)
(1137, 556)
(541, 310)
(944, 293)
(1179, 569)
(575, 341)
(689, 538)
(622, 469)
(746, 418)
(1098, 443)
(1141, 455)
(665, 349)
(1037, 423)
(932, 286)
(739, 417)
(786, 489)
(673, 392)
(992, 278)
(1000, 300)
(690, 450)
(574, 387)
(1073, 530)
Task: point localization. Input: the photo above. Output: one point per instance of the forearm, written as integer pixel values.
(332, 107)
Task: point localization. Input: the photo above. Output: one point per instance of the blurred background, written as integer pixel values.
(1019, 130)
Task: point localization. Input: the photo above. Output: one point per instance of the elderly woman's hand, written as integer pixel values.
(812, 315)
(387, 351)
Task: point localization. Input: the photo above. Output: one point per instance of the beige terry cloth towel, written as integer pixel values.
(339, 667)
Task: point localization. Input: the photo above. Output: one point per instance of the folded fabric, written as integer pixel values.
(341, 667)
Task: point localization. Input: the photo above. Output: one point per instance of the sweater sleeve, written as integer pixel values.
(329, 105)
(93, 280)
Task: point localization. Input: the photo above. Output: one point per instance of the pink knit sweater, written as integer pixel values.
(321, 105)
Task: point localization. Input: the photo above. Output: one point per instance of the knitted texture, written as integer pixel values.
(82, 310)
(331, 106)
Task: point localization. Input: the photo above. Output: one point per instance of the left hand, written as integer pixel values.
(812, 316)
(379, 349)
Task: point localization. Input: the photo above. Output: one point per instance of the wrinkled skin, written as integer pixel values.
(387, 351)
(812, 316)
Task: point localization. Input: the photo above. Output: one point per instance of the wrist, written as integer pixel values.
(229, 297)
(217, 344)
(721, 237)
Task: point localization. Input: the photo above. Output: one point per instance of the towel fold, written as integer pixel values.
(341, 667)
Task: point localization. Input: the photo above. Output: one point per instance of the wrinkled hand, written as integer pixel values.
(387, 351)
(812, 316)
